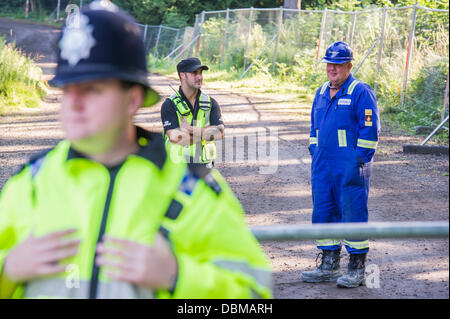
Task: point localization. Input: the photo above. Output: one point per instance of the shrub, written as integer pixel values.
(20, 78)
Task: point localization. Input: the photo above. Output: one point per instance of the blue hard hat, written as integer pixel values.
(102, 43)
(338, 53)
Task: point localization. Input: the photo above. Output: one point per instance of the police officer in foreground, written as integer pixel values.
(192, 119)
(107, 213)
(344, 134)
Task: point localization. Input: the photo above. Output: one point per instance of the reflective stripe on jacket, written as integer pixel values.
(195, 150)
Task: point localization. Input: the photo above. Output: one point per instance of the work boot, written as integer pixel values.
(355, 274)
(328, 269)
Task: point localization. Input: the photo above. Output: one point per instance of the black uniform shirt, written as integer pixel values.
(169, 112)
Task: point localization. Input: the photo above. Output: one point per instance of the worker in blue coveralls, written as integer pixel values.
(344, 134)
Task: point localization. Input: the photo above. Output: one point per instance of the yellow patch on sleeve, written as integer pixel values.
(368, 112)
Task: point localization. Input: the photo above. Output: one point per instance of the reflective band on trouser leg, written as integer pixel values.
(342, 138)
(328, 243)
(313, 140)
(367, 143)
(65, 288)
(261, 277)
(357, 246)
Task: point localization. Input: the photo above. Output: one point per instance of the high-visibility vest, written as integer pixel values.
(191, 206)
(205, 151)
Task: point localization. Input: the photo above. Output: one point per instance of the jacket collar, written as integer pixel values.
(151, 148)
(344, 88)
(187, 100)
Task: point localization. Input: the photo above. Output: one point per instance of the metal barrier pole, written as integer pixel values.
(145, 38)
(353, 28)
(280, 23)
(185, 48)
(434, 131)
(322, 28)
(408, 55)
(352, 230)
(157, 41)
(365, 57)
(444, 107)
(380, 49)
(224, 41)
(200, 33)
(253, 62)
(58, 6)
(173, 51)
(248, 36)
(195, 34)
(176, 40)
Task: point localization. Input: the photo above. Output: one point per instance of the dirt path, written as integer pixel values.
(404, 187)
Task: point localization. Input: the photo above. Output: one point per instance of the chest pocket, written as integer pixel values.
(344, 114)
(319, 111)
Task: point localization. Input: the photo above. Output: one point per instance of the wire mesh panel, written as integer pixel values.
(336, 28)
(428, 67)
(400, 52)
(298, 45)
(394, 55)
(238, 37)
(166, 41)
(211, 42)
(265, 29)
(299, 35)
(364, 38)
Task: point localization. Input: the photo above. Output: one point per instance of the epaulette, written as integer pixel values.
(204, 173)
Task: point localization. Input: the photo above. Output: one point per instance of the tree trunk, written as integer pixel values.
(291, 4)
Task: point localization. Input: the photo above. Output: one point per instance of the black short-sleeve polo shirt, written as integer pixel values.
(169, 116)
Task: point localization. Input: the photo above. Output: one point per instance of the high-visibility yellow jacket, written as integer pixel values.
(204, 151)
(192, 206)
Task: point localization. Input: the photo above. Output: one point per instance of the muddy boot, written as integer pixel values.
(328, 269)
(355, 274)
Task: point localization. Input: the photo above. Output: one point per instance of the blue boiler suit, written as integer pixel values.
(344, 131)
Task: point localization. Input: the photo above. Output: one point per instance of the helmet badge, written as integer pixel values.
(334, 54)
(77, 41)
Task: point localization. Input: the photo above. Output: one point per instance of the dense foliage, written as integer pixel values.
(180, 13)
(20, 78)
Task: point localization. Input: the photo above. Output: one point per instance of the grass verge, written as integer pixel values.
(20, 79)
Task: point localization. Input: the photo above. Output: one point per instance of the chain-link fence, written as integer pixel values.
(402, 52)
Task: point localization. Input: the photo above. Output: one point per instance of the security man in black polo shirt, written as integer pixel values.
(191, 119)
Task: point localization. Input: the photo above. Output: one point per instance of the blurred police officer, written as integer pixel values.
(343, 138)
(107, 213)
(191, 118)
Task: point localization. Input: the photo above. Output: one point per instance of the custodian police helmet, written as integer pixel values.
(338, 53)
(102, 42)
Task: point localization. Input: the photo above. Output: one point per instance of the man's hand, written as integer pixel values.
(186, 126)
(152, 266)
(179, 136)
(37, 257)
(361, 162)
(213, 133)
